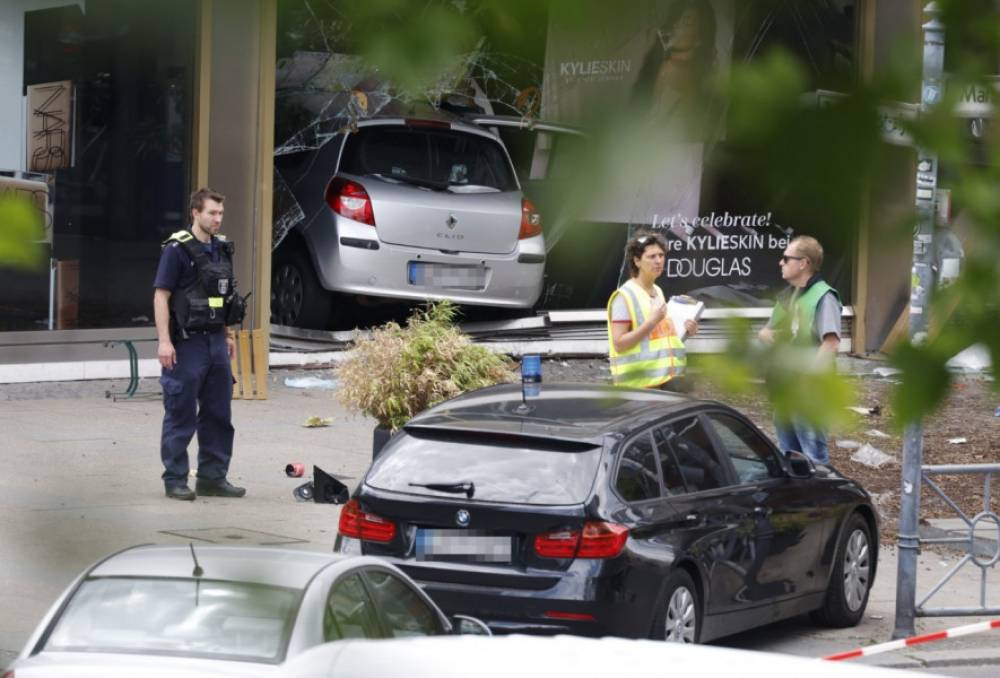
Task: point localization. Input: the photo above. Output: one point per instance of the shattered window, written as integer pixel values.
(442, 158)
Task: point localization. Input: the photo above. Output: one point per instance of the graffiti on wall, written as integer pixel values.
(49, 126)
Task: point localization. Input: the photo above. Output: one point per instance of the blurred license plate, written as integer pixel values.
(471, 277)
(471, 546)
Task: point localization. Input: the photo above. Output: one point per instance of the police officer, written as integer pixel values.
(194, 302)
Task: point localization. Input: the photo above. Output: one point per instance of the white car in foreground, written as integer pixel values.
(221, 611)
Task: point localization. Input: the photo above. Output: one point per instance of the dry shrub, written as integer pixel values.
(400, 371)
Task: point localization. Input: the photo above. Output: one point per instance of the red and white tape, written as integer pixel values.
(915, 640)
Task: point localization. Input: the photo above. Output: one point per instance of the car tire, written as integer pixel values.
(678, 615)
(851, 580)
(297, 299)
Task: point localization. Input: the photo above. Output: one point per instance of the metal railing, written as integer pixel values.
(978, 557)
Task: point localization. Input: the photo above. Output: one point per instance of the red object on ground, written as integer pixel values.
(294, 470)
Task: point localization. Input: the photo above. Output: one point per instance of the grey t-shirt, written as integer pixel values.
(619, 310)
(827, 319)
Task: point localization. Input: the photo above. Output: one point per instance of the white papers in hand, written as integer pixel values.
(682, 308)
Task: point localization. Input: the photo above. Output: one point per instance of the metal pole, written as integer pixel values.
(52, 294)
(921, 284)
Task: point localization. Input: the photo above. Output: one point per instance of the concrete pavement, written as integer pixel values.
(81, 480)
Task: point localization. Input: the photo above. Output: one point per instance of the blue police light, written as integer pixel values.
(531, 380)
(531, 369)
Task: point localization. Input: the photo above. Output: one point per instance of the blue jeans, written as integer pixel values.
(802, 436)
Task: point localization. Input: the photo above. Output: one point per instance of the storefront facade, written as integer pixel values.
(143, 102)
(156, 98)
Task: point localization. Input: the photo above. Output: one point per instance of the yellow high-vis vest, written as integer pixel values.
(659, 357)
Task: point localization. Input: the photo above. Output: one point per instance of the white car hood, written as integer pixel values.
(108, 665)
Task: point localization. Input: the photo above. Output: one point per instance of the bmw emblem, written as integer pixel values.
(462, 518)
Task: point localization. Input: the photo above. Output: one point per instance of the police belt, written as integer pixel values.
(219, 330)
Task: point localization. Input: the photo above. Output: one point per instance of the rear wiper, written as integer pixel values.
(469, 488)
(425, 183)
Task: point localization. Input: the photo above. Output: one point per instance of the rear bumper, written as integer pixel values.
(581, 601)
(368, 266)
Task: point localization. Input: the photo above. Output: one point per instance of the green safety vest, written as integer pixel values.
(659, 357)
(796, 324)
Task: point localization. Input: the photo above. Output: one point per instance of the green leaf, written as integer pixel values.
(20, 230)
(925, 381)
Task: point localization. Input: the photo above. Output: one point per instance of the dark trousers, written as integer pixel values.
(197, 397)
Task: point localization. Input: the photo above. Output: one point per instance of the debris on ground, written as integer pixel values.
(865, 411)
(875, 433)
(871, 456)
(887, 371)
(311, 382)
(958, 441)
(973, 359)
(315, 422)
(848, 444)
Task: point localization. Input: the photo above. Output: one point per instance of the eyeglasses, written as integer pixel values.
(785, 258)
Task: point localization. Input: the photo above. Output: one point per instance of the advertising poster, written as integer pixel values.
(658, 61)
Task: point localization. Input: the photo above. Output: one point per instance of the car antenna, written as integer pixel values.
(197, 568)
(196, 574)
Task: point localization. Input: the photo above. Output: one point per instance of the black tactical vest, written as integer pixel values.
(210, 302)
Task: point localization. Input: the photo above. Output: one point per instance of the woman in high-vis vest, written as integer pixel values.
(643, 346)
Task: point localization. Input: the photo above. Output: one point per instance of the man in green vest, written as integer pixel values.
(807, 315)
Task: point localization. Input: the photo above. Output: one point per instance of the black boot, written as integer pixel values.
(182, 492)
(217, 488)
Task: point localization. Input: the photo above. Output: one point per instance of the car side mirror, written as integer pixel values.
(800, 465)
(464, 625)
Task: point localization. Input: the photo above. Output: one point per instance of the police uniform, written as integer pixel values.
(197, 391)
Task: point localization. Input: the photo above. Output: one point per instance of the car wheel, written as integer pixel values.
(678, 618)
(297, 299)
(851, 581)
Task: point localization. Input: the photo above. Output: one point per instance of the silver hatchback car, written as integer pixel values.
(222, 611)
(409, 209)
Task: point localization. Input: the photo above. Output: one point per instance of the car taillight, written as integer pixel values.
(602, 540)
(358, 524)
(350, 199)
(596, 540)
(560, 544)
(531, 220)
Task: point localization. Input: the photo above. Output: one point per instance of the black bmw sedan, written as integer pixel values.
(597, 510)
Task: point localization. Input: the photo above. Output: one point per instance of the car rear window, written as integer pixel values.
(450, 158)
(187, 617)
(507, 469)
